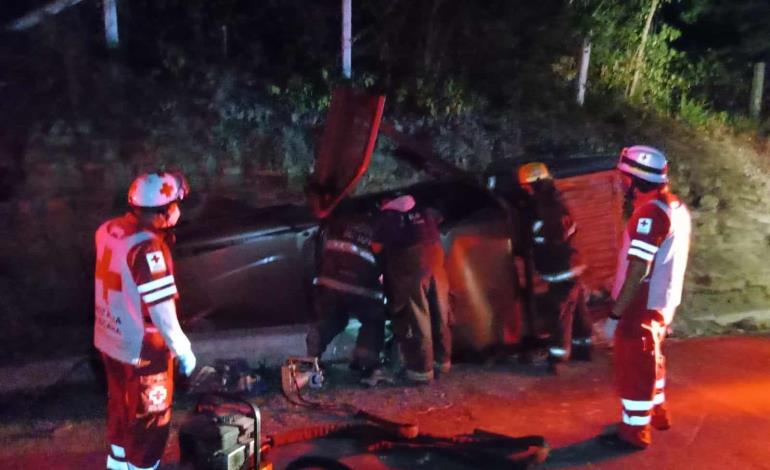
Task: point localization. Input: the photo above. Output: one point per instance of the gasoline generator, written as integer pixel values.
(222, 434)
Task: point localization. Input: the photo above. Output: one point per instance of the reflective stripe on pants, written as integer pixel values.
(640, 376)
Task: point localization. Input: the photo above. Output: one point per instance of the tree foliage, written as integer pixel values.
(442, 58)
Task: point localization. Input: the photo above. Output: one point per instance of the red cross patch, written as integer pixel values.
(166, 189)
(110, 279)
(156, 262)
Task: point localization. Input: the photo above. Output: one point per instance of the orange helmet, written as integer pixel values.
(533, 171)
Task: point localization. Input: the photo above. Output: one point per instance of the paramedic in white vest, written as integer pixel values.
(647, 291)
(136, 328)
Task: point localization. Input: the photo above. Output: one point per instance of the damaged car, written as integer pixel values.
(244, 267)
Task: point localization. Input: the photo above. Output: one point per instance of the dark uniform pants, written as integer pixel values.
(567, 318)
(418, 292)
(333, 309)
(139, 405)
(640, 373)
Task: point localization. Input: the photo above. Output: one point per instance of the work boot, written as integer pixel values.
(555, 364)
(615, 442)
(661, 418)
(555, 367)
(582, 352)
(374, 376)
(443, 367)
(419, 378)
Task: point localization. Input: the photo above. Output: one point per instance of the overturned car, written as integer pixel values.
(243, 267)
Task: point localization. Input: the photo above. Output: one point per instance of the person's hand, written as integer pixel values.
(187, 363)
(609, 329)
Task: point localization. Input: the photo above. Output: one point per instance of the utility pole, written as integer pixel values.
(585, 59)
(111, 24)
(639, 57)
(347, 26)
(757, 89)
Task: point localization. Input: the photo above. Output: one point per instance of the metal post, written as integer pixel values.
(757, 88)
(585, 59)
(346, 38)
(111, 23)
(225, 41)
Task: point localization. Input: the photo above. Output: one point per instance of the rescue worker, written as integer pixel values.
(349, 284)
(647, 290)
(136, 327)
(416, 286)
(555, 261)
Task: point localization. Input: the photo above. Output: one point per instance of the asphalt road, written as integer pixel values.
(718, 391)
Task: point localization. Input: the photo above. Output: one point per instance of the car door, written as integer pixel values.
(248, 270)
(345, 148)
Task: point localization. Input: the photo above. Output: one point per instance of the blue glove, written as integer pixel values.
(187, 363)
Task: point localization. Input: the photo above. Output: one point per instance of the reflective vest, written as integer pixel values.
(348, 263)
(658, 233)
(552, 230)
(134, 270)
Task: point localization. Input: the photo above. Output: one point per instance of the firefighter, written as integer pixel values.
(417, 286)
(136, 328)
(349, 283)
(647, 290)
(564, 302)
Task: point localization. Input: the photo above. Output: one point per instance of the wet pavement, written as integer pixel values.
(718, 391)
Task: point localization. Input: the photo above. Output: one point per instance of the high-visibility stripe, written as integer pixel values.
(640, 254)
(154, 467)
(635, 405)
(558, 352)
(540, 240)
(347, 247)
(537, 226)
(349, 288)
(581, 341)
(636, 420)
(118, 451)
(169, 291)
(660, 383)
(113, 464)
(659, 399)
(648, 247)
(558, 277)
(156, 284)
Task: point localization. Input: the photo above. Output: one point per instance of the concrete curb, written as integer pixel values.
(261, 346)
(734, 317)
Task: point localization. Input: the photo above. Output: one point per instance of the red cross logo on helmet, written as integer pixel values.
(166, 189)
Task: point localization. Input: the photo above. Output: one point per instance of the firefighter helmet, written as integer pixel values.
(533, 171)
(646, 163)
(157, 189)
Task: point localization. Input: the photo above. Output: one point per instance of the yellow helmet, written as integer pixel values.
(533, 171)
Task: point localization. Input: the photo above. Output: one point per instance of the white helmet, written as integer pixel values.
(646, 163)
(157, 189)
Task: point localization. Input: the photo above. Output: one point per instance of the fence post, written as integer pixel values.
(757, 89)
(585, 59)
(111, 24)
(346, 38)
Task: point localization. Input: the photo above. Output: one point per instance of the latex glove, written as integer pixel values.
(609, 329)
(187, 363)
